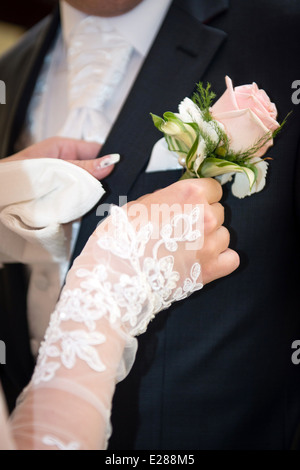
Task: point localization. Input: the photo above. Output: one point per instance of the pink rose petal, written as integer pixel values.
(247, 114)
(244, 129)
(227, 100)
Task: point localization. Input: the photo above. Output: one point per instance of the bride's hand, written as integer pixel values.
(217, 260)
(77, 152)
(155, 251)
(143, 258)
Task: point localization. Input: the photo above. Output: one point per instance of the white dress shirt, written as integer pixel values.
(47, 114)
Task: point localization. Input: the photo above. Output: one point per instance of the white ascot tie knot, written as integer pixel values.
(97, 60)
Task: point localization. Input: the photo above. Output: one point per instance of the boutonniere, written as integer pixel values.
(226, 140)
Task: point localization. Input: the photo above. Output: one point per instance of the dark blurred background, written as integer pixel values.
(25, 12)
(16, 16)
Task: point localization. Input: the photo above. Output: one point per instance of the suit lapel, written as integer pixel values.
(178, 59)
(203, 10)
(32, 51)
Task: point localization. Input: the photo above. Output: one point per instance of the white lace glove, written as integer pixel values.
(6, 441)
(132, 268)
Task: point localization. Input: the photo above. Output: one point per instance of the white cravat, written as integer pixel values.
(98, 57)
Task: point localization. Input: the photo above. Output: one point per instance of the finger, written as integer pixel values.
(228, 261)
(214, 244)
(190, 191)
(99, 168)
(222, 239)
(142, 198)
(73, 149)
(214, 216)
(60, 147)
(225, 264)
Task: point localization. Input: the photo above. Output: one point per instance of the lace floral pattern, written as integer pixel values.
(129, 298)
(54, 442)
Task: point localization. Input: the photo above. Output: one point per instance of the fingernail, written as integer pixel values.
(107, 161)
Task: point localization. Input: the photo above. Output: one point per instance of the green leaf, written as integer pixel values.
(171, 117)
(204, 96)
(221, 151)
(190, 156)
(250, 175)
(187, 175)
(254, 169)
(212, 167)
(158, 121)
(175, 145)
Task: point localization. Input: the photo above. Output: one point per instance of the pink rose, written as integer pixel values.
(247, 114)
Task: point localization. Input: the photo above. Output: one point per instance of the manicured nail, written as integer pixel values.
(107, 161)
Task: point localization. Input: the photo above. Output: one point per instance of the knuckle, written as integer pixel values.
(190, 191)
(225, 234)
(217, 188)
(193, 190)
(221, 211)
(210, 220)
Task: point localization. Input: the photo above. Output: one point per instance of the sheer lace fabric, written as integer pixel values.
(123, 278)
(6, 441)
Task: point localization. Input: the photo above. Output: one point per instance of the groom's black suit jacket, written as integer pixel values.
(215, 371)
